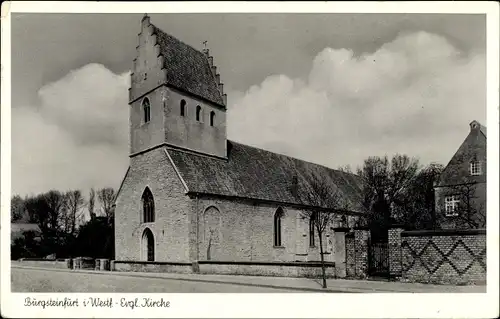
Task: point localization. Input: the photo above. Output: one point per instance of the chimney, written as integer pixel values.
(474, 125)
(224, 99)
(214, 70)
(211, 61)
(145, 20)
(221, 88)
(295, 186)
(217, 78)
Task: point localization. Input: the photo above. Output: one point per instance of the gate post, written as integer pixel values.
(340, 252)
(395, 257)
(361, 242)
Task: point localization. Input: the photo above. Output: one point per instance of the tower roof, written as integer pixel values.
(187, 68)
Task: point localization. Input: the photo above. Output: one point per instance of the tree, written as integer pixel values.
(37, 208)
(96, 239)
(55, 203)
(91, 205)
(417, 209)
(107, 199)
(73, 203)
(385, 186)
(324, 201)
(17, 209)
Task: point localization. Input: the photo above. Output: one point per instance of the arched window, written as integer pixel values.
(198, 113)
(212, 118)
(183, 107)
(147, 110)
(148, 245)
(311, 230)
(148, 206)
(278, 216)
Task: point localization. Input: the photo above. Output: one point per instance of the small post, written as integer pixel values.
(104, 264)
(69, 263)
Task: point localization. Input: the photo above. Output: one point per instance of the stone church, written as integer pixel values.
(190, 193)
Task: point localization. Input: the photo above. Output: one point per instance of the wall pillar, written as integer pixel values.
(103, 264)
(395, 256)
(361, 242)
(340, 252)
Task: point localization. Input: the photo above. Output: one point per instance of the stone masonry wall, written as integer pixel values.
(172, 207)
(449, 257)
(243, 231)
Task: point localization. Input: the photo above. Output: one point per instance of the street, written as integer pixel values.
(37, 279)
(45, 280)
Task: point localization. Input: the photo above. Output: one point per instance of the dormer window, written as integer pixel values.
(212, 118)
(475, 168)
(146, 109)
(198, 113)
(183, 108)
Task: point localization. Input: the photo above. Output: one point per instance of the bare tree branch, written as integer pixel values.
(323, 201)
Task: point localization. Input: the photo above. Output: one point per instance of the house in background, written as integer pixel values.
(17, 230)
(460, 191)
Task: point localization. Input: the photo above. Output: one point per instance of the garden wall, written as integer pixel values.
(45, 263)
(444, 256)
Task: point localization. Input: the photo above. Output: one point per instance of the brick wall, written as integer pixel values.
(361, 246)
(394, 245)
(477, 195)
(350, 257)
(445, 256)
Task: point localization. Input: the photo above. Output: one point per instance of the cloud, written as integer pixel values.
(414, 95)
(76, 138)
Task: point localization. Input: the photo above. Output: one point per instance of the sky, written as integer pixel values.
(326, 88)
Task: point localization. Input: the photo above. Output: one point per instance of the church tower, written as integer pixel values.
(176, 98)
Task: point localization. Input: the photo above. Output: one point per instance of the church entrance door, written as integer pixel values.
(148, 244)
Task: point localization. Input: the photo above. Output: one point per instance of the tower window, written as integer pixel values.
(212, 118)
(183, 108)
(198, 113)
(147, 110)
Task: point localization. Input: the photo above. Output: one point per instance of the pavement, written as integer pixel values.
(251, 283)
